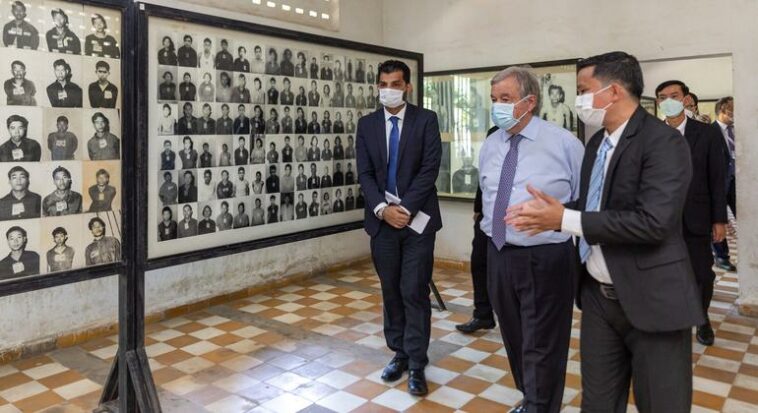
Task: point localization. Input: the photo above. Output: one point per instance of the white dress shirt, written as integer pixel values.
(572, 219)
(681, 126)
(388, 130)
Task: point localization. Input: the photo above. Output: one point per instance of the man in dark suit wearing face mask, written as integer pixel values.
(637, 291)
(399, 152)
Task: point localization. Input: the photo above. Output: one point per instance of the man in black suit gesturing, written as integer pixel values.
(705, 210)
(637, 291)
(398, 154)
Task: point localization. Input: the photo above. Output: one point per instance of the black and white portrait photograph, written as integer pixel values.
(327, 67)
(272, 61)
(168, 188)
(22, 30)
(63, 130)
(287, 64)
(103, 240)
(102, 79)
(65, 90)
(301, 64)
(167, 122)
(187, 224)
(187, 186)
(225, 183)
(21, 198)
(187, 83)
(558, 93)
(465, 178)
(19, 249)
(64, 23)
(258, 211)
(101, 186)
(224, 217)
(19, 90)
(241, 182)
(63, 189)
(167, 89)
(272, 209)
(242, 207)
(224, 59)
(206, 222)
(258, 61)
(241, 92)
(187, 53)
(103, 34)
(224, 86)
(206, 186)
(61, 241)
(104, 131)
(20, 134)
(167, 226)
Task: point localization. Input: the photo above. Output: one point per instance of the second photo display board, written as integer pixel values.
(252, 136)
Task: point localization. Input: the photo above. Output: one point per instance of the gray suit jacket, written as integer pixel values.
(639, 225)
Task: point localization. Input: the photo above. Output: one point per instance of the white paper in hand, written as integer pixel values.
(418, 223)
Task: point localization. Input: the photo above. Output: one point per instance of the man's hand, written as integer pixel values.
(543, 213)
(719, 232)
(396, 217)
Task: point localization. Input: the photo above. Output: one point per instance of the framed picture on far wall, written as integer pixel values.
(462, 103)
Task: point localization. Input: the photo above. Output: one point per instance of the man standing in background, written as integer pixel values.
(724, 124)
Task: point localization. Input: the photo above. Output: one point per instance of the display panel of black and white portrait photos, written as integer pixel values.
(60, 137)
(251, 136)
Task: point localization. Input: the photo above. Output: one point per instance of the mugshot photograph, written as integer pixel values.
(301, 124)
(258, 62)
(301, 180)
(349, 123)
(272, 123)
(187, 89)
(258, 153)
(339, 70)
(338, 178)
(272, 211)
(272, 93)
(187, 124)
(100, 43)
(241, 153)
(63, 200)
(258, 95)
(301, 207)
(326, 177)
(225, 187)
(206, 189)
(102, 93)
(314, 126)
(207, 57)
(241, 218)
(20, 202)
(224, 219)
(349, 97)
(224, 87)
(326, 67)
(240, 93)
(206, 125)
(169, 190)
(338, 99)
(61, 256)
(315, 205)
(272, 156)
(286, 96)
(167, 122)
(360, 100)
(187, 226)
(339, 204)
(326, 122)
(224, 59)
(103, 145)
(187, 187)
(18, 89)
(349, 70)
(188, 154)
(206, 225)
(272, 180)
(241, 64)
(360, 71)
(466, 179)
(206, 88)
(167, 228)
(360, 200)
(371, 98)
(63, 93)
(350, 178)
(350, 199)
(102, 193)
(241, 125)
(370, 75)
(225, 156)
(301, 151)
(241, 184)
(314, 180)
(20, 261)
(258, 186)
(62, 143)
(257, 214)
(19, 147)
(326, 202)
(314, 152)
(314, 97)
(272, 62)
(61, 39)
(301, 99)
(313, 68)
(287, 207)
(326, 95)
(301, 65)
(287, 67)
(104, 248)
(326, 153)
(18, 32)
(287, 180)
(258, 121)
(555, 110)
(288, 124)
(225, 123)
(339, 150)
(167, 53)
(167, 87)
(186, 55)
(287, 150)
(168, 156)
(205, 158)
(338, 126)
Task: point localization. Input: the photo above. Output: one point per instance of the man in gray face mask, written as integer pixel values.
(398, 190)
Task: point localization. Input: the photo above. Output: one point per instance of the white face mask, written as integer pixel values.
(391, 98)
(587, 113)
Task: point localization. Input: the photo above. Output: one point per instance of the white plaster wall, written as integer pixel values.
(456, 34)
(39, 316)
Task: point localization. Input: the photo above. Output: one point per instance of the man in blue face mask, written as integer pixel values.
(705, 209)
(530, 279)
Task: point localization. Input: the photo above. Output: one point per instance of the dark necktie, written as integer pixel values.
(503, 198)
(393, 155)
(730, 144)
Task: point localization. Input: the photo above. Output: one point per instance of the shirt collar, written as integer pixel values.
(530, 131)
(616, 135)
(681, 126)
(722, 125)
(400, 115)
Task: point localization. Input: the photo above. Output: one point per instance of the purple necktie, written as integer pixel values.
(504, 192)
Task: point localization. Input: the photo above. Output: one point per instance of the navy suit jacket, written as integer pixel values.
(420, 153)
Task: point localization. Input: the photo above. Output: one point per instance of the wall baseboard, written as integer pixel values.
(90, 333)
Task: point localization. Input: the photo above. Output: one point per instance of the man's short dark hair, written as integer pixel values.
(62, 119)
(16, 118)
(15, 228)
(664, 85)
(61, 169)
(618, 67)
(93, 220)
(102, 172)
(391, 66)
(165, 209)
(186, 36)
(18, 63)
(103, 64)
(721, 103)
(694, 98)
(18, 169)
(61, 230)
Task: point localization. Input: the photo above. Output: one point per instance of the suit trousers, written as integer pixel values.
(699, 249)
(721, 249)
(531, 290)
(404, 261)
(614, 353)
(482, 306)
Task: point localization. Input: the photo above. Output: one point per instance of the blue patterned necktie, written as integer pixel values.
(503, 198)
(392, 164)
(730, 144)
(595, 191)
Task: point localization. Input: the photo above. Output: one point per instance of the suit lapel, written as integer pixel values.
(629, 132)
(691, 133)
(587, 165)
(381, 135)
(405, 135)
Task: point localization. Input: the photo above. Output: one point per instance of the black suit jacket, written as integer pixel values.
(639, 225)
(727, 157)
(706, 198)
(419, 157)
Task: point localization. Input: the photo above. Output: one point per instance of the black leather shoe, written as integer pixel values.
(394, 370)
(417, 383)
(475, 324)
(518, 408)
(705, 335)
(725, 264)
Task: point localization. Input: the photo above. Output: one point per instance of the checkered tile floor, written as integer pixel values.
(317, 346)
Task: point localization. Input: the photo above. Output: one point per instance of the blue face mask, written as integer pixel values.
(502, 114)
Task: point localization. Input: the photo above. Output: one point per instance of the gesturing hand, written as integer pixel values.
(543, 213)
